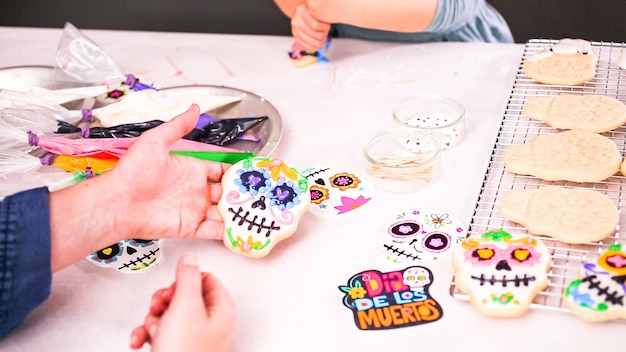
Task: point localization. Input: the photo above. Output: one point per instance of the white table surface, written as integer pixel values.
(289, 300)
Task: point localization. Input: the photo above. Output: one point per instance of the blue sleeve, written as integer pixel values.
(453, 14)
(25, 271)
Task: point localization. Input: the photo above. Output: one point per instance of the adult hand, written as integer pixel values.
(193, 314)
(166, 195)
(307, 31)
(149, 194)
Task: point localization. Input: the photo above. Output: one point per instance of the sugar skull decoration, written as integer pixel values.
(128, 256)
(336, 192)
(417, 235)
(600, 293)
(500, 272)
(262, 202)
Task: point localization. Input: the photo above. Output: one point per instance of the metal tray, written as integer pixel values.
(516, 128)
(269, 132)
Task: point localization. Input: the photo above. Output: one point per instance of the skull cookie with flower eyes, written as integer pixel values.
(262, 202)
(600, 293)
(500, 272)
(129, 256)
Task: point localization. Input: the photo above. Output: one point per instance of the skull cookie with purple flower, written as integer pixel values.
(262, 202)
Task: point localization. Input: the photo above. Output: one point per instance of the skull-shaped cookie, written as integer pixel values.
(500, 272)
(421, 235)
(128, 256)
(600, 293)
(336, 192)
(262, 202)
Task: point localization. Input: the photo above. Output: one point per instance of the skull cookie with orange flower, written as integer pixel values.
(262, 202)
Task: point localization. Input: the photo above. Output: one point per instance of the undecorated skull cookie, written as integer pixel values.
(262, 202)
(572, 155)
(500, 272)
(128, 256)
(335, 192)
(600, 292)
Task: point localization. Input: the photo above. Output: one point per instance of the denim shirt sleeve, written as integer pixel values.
(25, 269)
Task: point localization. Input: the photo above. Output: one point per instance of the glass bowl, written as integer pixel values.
(402, 160)
(437, 115)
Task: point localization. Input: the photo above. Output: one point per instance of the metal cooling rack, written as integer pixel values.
(516, 128)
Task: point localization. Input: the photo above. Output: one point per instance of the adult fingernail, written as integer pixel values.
(190, 259)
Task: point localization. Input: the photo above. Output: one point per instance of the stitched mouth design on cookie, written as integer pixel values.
(242, 219)
(517, 281)
(593, 282)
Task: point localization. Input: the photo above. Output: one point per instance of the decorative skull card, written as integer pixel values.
(600, 293)
(502, 273)
(335, 192)
(425, 234)
(262, 202)
(129, 256)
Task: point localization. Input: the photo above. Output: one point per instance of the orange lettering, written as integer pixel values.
(367, 318)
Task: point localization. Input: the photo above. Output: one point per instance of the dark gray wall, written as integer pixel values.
(596, 20)
(599, 20)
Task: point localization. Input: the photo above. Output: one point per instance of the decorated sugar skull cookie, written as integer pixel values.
(335, 192)
(262, 202)
(600, 293)
(128, 256)
(421, 235)
(500, 272)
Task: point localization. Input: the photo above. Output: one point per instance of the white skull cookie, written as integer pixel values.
(500, 272)
(262, 202)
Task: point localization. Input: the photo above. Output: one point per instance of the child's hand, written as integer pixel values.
(307, 31)
(193, 313)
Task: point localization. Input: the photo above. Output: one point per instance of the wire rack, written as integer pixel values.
(516, 128)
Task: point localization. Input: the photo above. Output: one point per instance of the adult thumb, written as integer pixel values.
(188, 281)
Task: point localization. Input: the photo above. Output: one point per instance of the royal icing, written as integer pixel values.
(163, 105)
(600, 293)
(262, 202)
(501, 273)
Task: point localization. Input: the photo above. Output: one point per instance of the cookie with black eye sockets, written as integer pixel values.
(262, 202)
(568, 62)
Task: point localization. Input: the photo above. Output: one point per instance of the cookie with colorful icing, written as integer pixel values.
(592, 112)
(335, 192)
(262, 202)
(571, 215)
(500, 272)
(568, 62)
(572, 155)
(600, 292)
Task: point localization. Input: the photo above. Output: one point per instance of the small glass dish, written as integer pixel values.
(437, 115)
(402, 160)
